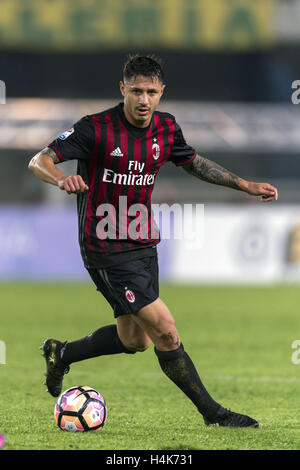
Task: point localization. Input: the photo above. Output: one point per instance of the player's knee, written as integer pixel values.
(168, 338)
(142, 347)
(138, 346)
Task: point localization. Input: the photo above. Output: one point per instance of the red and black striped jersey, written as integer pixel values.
(119, 162)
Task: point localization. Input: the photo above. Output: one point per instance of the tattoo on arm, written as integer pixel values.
(209, 171)
(49, 151)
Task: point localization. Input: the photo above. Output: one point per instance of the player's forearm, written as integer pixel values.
(43, 166)
(209, 171)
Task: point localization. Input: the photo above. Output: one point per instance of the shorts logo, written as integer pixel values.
(66, 134)
(130, 296)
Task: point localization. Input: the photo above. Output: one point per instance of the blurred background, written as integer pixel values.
(231, 70)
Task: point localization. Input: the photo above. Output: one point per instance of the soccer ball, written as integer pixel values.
(80, 409)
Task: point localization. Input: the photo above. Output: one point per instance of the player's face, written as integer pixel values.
(141, 98)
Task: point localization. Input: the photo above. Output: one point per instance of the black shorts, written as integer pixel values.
(128, 286)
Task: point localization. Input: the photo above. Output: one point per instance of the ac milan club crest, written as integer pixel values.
(130, 296)
(155, 150)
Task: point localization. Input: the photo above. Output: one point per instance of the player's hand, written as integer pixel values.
(73, 185)
(265, 190)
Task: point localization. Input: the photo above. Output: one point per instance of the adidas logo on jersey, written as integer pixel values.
(117, 152)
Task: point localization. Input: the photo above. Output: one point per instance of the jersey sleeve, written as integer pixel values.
(76, 143)
(181, 152)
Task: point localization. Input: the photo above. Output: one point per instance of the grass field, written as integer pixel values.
(238, 337)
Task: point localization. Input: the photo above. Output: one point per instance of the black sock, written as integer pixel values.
(102, 342)
(178, 366)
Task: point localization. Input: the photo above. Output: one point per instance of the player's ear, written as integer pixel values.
(122, 88)
(162, 89)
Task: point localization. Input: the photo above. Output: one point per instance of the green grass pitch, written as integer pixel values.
(238, 337)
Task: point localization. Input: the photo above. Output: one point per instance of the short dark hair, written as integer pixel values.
(148, 66)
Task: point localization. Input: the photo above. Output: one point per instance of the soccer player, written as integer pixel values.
(119, 152)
